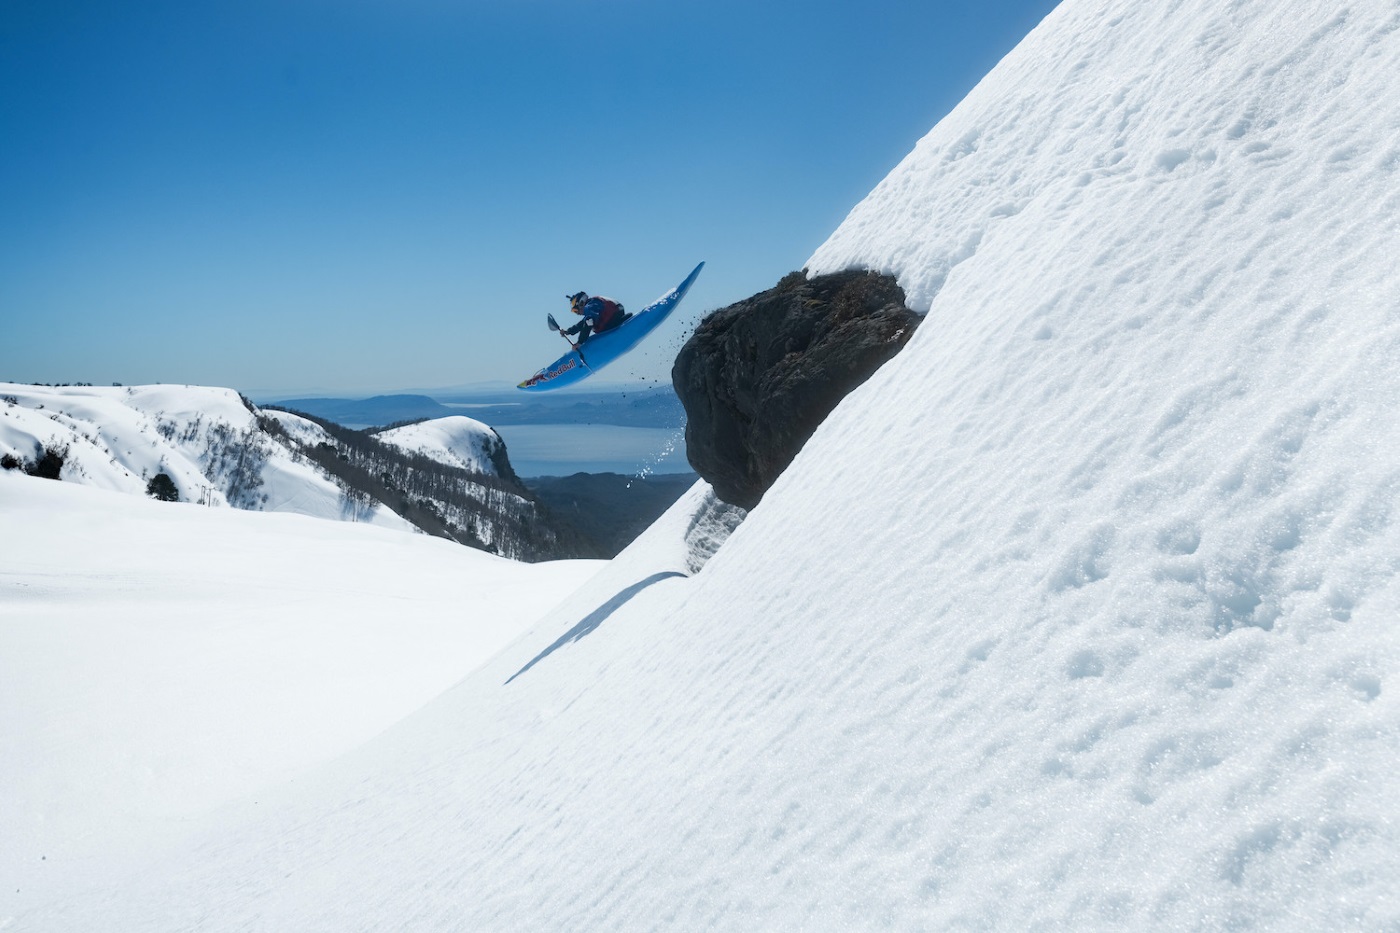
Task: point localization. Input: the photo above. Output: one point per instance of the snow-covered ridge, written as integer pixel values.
(221, 450)
(455, 440)
(207, 440)
(302, 430)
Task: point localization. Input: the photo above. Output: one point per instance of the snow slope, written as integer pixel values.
(450, 477)
(456, 440)
(206, 439)
(302, 430)
(160, 659)
(1080, 614)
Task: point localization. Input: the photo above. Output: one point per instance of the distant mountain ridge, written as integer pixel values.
(219, 449)
(208, 441)
(475, 500)
(455, 440)
(645, 408)
(378, 410)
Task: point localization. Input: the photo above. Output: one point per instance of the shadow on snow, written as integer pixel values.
(596, 617)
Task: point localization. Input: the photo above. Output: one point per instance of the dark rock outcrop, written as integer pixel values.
(759, 376)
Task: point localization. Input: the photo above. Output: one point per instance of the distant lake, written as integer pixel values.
(565, 449)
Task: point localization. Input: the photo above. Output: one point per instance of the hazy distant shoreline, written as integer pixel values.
(564, 449)
(627, 432)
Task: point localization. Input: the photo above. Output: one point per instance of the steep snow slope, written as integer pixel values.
(158, 660)
(1080, 614)
(302, 430)
(206, 439)
(451, 479)
(457, 441)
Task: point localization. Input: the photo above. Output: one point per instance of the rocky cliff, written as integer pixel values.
(759, 376)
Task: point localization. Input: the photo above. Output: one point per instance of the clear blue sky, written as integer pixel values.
(362, 195)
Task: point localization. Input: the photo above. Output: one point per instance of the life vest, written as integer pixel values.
(606, 315)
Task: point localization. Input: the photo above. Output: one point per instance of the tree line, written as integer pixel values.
(494, 513)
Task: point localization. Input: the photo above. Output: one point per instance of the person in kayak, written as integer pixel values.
(598, 315)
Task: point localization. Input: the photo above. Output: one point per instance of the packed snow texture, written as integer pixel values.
(206, 440)
(1080, 614)
(457, 441)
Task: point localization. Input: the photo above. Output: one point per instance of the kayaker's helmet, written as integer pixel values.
(577, 301)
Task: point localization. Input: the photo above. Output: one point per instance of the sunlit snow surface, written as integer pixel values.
(205, 439)
(158, 660)
(457, 440)
(1080, 614)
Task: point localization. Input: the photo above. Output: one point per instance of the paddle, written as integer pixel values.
(554, 326)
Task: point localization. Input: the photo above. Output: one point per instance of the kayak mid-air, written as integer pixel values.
(602, 348)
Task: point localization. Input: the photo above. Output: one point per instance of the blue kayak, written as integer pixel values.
(601, 349)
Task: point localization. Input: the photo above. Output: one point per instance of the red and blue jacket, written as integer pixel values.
(600, 314)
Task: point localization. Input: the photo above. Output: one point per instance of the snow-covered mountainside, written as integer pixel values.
(1080, 614)
(451, 479)
(303, 431)
(456, 440)
(429, 474)
(207, 440)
